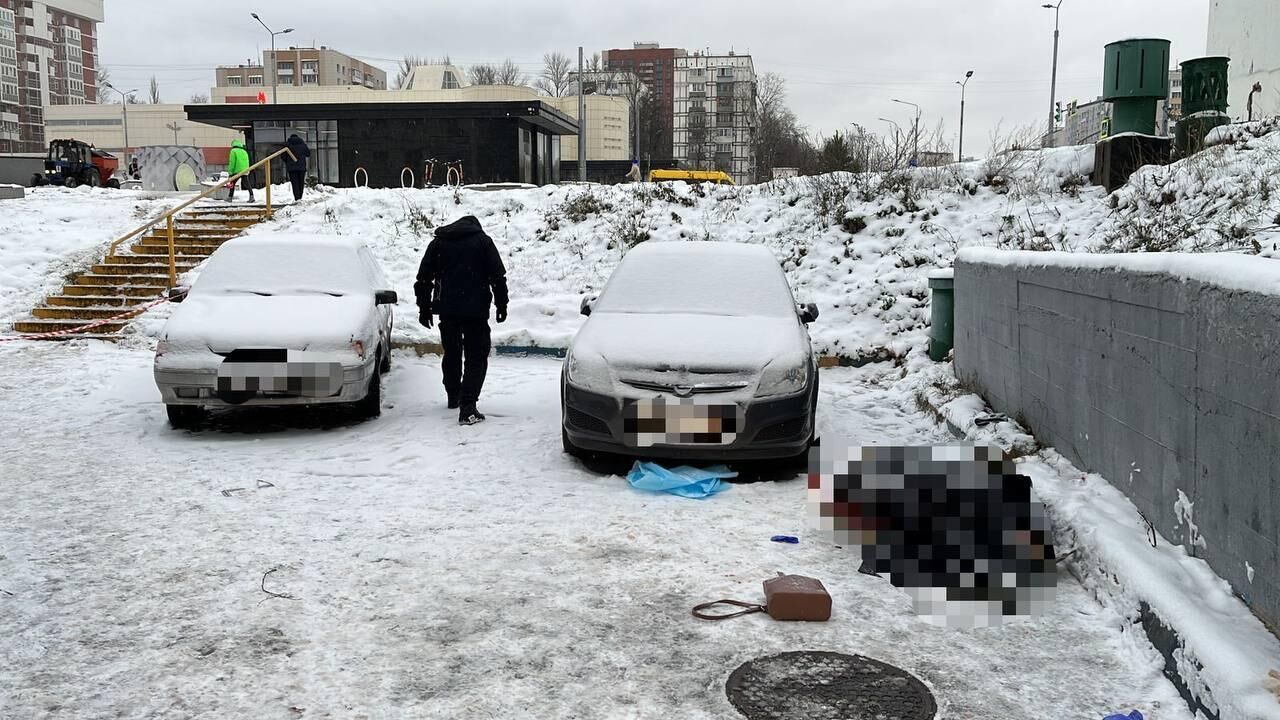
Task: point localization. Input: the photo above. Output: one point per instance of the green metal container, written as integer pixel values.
(1204, 85)
(1135, 78)
(942, 330)
(1204, 102)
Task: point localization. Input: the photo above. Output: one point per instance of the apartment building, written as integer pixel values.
(301, 67)
(48, 57)
(655, 67)
(714, 124)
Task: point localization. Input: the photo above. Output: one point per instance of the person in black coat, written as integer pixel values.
(296, 166)
(460, 275)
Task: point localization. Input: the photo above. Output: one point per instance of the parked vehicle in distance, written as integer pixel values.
(278, 320)
(72, 163)
(691, 176)
(693, 351)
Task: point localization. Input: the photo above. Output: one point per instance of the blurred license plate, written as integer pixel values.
(286, 378)
(659, 421)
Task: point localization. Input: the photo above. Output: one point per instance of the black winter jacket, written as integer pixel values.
(461, 273)
(300, 151)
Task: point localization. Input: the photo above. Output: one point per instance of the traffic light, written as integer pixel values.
(1072, 109)
(1057, 112)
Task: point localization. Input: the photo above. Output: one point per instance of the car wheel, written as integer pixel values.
(371, 405)
(113, 183)
(71, 182)
(184, 417)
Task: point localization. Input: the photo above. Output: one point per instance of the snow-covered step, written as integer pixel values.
(96, 301)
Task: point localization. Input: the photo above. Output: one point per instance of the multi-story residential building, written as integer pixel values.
(714, 122)
(301, 67)
(1246, 31)
(655, 66)
(48, 57)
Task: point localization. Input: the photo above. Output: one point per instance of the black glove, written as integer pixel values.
(424, 317)
(502, 314)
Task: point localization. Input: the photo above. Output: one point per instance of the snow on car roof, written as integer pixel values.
(286, 264)
(710, 278)
(295, 240)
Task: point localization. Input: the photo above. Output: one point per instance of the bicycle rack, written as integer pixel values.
(413, 179)
(355, 177)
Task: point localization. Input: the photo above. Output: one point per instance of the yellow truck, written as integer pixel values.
(690, 176)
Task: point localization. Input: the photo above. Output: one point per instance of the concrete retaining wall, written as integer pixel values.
(1168, 387)
(17, 169)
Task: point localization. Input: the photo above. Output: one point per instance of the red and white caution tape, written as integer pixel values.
(95, 324)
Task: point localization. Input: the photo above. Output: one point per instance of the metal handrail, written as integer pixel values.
(168, 217)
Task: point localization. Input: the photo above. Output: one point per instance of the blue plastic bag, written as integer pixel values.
(686, 481)
(1135, 715)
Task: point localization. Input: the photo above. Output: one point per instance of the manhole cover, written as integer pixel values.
(827, 686)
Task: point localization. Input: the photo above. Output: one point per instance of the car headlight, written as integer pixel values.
(587, 370)
(782, 378)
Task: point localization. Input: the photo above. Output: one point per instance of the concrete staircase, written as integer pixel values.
(138, 275)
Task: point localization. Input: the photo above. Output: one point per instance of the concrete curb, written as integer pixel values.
(1162, 635)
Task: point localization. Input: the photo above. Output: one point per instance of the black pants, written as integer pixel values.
(245, 182)
(467, 337)
(296, 177)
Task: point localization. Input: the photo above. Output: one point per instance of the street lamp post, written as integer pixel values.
(124, 109)
(275, 73)
(915, 152)
(962, 85)
(1053, 87)
(175, 127)
(897, 133)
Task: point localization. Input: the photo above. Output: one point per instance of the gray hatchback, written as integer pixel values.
(694, 351)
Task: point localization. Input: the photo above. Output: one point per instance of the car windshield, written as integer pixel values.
(699, 280)
(283, 269)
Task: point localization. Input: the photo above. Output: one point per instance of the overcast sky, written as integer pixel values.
(844, 60)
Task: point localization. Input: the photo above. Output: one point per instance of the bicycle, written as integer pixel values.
(454, 167)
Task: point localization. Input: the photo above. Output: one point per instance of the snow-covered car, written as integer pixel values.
(693, 350)
(278, 320)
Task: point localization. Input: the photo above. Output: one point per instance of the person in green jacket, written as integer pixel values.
(238, 162)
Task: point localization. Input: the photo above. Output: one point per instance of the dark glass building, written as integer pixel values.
(393, 143)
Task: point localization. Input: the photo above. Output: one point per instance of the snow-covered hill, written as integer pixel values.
(860, 246)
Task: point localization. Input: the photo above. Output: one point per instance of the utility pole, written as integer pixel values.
(124, 109)
(1053, 87)
(275, 73)
(582, 123)
(915, 151)
(175, 127)
(963, 85)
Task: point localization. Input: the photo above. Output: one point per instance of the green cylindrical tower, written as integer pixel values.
(1135, 79)
(1204, 101)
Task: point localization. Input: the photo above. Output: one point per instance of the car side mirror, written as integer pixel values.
(386, 297)
(587, 302)
(808, 313)
(177, 294)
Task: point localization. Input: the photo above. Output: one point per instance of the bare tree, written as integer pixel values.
(155, 91)
(508, 73)
(555, 80)
(104, 75)
(483, 74)
(199, 99)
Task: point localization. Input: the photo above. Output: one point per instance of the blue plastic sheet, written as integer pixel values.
(687, 482)
(1135, 715)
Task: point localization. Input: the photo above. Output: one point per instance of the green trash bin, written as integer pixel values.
(942, 329)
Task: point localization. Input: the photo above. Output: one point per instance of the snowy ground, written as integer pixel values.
(438, 571)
